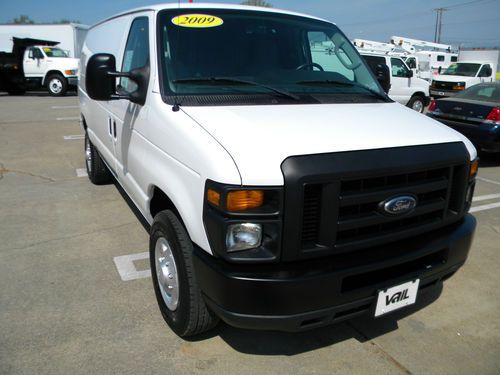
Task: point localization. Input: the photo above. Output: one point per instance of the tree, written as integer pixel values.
(257, 3)
(23, 19)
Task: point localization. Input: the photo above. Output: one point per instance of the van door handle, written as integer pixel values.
(114, 129)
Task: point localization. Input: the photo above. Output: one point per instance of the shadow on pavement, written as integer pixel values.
(38, 94)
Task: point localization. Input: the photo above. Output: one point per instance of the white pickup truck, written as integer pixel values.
(33, 64)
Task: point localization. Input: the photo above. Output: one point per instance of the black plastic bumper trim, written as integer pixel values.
(306, 294)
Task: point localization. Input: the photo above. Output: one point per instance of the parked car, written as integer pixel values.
(284, 189)
(405, 88)
(474, 112)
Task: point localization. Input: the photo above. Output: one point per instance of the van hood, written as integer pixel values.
(260, 138)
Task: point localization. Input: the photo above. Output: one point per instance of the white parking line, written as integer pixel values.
(64, 106)
(488, 180)
(485, 207)
(73, 137)
(81, 172)
(67, 118)
(485, 197)
(126, 268)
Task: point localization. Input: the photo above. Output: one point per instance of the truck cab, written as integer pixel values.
(405, 87)
(461, 75)
(50, 67)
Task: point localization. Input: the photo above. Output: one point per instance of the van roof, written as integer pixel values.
(194, 6)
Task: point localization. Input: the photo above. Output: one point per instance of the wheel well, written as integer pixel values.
(425, 98)
(49, 73)
(160, 201)
(421, 94)
(84, 123)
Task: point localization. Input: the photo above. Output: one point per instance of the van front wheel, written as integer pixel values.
(174, 280)
(417, 103)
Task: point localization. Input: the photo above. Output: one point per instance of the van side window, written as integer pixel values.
(485, 71)
(136, 53)
(440, 57)
(373, 61)
(323, 53)
(454, 58)
(398, 68)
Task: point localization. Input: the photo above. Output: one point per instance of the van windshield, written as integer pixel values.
(229, 53)
(462, 69)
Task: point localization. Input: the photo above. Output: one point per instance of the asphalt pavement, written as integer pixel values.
(76, 295)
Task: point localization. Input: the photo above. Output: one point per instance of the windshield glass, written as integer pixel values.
(462, 69)
(221, 52)
(54, 52)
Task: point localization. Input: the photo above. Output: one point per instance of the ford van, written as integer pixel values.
(283, 188)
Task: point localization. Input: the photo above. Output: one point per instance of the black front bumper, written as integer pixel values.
(306, 294)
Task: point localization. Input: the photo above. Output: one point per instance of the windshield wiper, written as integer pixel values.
(215, 80)
(384, 97)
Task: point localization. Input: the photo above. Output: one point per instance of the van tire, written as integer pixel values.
(97, 170)
(57, 85)
(190, 315)
(417, 103)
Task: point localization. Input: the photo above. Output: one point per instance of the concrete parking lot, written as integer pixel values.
(76, 296)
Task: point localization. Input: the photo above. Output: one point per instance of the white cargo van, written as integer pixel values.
(284, 189)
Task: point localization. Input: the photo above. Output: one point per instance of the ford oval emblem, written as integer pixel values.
(399, 205)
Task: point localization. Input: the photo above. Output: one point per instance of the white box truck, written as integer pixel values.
(284, 189)
(473, 67)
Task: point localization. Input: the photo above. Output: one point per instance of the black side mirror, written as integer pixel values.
(100, 80)
(439, 69)
(410, 73)
(383, 76)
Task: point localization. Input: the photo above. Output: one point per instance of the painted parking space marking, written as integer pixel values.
(64, 106)
(81, 172)
(73, 137)
(126, 267)
(485, 207)
(485, 197)
(67, 118)
(488, 180)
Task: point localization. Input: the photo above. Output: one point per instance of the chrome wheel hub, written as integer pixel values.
(418, 106)
(55, 85)
(166, 273)
(88, 155)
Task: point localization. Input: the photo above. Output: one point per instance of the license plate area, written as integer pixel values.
(396, 297)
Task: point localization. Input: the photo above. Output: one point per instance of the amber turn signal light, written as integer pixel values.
(473, 168)
(213, 197)
(242, 200)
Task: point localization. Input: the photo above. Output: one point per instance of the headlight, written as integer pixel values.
(243, 236)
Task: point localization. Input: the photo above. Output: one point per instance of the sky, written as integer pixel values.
(466, 23)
